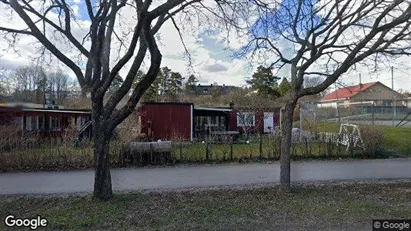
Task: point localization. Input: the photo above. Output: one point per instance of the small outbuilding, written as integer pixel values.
(185, 121)
(45, 122)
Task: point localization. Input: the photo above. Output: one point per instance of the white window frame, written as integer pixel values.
(28, 123)
(245, 122)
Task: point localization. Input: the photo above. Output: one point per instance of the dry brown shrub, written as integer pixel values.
(373, 138)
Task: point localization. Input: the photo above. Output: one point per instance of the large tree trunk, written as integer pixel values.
(102, 178)
(101, 138)
(286, 130)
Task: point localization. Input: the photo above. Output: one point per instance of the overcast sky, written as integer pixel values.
(212, 55)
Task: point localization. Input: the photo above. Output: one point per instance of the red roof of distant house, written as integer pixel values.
(347, 92)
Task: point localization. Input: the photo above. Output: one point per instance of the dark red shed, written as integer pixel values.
(184, 121)
(167, 121)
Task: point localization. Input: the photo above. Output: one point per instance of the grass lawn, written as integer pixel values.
(336, 207)
(396, 139)
(219, 152)
(368, 117)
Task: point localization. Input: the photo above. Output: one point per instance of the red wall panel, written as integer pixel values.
(168, 121)
(232, 121)
(259, 120)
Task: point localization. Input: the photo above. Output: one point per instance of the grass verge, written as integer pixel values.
(396, 139)
(337, 207)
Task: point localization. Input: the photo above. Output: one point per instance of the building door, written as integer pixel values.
(268, 122)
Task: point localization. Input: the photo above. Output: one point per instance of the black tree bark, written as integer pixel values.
(101, 137)
(285, 158)
(102, 178)
(93, 72)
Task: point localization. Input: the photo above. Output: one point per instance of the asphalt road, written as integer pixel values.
(202, 176)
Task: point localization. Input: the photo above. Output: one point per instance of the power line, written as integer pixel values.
(397, 78)
(408, 73)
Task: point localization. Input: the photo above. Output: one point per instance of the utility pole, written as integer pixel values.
(360, 90)
(393, 96)
(338, 110)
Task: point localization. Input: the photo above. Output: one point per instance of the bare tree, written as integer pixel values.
(312, 81)
(95, 69)
(58, 85)
(326, 39)
(5, 84)
(29, 83)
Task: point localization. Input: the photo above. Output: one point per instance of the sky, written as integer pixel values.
(212, 53)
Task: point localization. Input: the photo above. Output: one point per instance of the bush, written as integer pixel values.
(28, 151)
(373, 140)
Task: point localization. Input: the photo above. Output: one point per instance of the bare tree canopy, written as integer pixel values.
(324, 39)
(327, 38)
(109, 46)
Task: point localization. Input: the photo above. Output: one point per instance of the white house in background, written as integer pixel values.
(376, 92)
(408, 100)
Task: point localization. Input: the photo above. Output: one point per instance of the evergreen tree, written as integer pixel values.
(164, 75)
(167, 84)
(153, 92)
(191, 85)
(284, 87)
(174, 85)
(264, 82)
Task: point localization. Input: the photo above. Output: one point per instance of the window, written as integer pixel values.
(41, 123)
(34, 123)
(27, 126)
(19, 122)
(55, 123)
(245, 119)
(222, 123)
(213, 121)
(31, 123)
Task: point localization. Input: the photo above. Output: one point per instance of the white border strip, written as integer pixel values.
(212, 109)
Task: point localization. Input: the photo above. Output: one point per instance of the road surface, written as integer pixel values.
(134, 179)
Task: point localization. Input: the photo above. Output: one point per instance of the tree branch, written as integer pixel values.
(144, 84)
(38, 34)
(10, 30)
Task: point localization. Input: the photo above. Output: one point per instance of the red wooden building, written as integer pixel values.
(45, 122)
(185, 121)
(167, 120)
